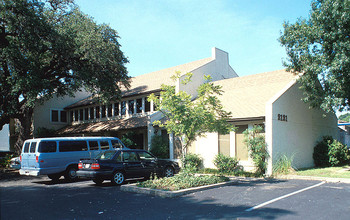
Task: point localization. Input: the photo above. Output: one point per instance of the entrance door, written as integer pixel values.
(241, 148)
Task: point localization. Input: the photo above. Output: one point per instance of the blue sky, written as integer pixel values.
(165, 33)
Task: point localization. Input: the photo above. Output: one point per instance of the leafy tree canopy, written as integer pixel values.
(319, 48)
(189, 118)
(50, 47)
(345, 117)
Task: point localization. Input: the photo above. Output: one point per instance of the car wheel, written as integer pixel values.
(169, 172)
(98, 181)
(54, 177)
(71, 173)
(118, 178)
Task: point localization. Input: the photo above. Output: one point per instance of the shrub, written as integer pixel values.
(283, 165)
(5, 161)
(182, 180)
(160, 147)
(338, 154)
(192, 162)
(128, 139)
(43, 132)
(255, 141)
(225, 164)
(320, 155)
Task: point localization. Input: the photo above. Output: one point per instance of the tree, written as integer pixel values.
(255, 141)
(49, 47)
(187, 118)
(345, 117)
(318, 48)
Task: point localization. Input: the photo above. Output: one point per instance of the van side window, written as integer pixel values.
(65, 146)
(116, 144)
(104, 145)
(26, 148)
(93, 145)
(32, 147)
(47, 147)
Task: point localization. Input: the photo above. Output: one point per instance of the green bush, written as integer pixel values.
(338, 153)
(225, 164)
(192, 162)
(255, 141)
(320, 155)
(128, 139)
(43, 132)
(160, 147)
(5, 161)
(183, 180)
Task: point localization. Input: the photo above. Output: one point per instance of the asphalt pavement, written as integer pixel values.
(39, 198)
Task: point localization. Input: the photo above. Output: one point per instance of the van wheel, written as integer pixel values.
(54, 177)
(118, 178)
(71, 173)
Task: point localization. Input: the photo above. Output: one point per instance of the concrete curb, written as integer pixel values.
(326, 179)
(171, 194)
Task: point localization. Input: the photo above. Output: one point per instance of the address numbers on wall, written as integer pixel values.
(282, 117)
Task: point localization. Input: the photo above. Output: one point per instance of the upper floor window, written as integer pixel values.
(58, 115)
(123, 107)
(116, 109)
(131, 107)
(138, 105)
(109, 111)
(147, 105)
(103, 113)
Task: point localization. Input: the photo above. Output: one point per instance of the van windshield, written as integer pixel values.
(106, 155)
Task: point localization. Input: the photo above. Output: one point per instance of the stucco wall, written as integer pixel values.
(218, 69)
(5, 138)
(42, 112)
(207, 148)
(297, 136)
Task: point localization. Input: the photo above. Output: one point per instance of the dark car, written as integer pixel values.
(121, 164)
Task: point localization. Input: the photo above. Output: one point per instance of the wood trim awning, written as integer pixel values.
(112, 125)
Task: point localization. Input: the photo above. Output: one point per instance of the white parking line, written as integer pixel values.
(282, 197)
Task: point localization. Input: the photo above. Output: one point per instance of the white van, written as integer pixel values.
(59, 156)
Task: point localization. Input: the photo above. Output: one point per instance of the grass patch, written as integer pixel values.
(182, 180)
(333, 172)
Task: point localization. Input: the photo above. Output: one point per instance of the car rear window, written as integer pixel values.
(65, 146)
(26, 147)
(47, 147)
(32, 147)
(106, 155)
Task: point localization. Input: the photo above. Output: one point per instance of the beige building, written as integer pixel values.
(271, 99)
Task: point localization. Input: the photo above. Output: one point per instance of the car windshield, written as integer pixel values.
(106, 155)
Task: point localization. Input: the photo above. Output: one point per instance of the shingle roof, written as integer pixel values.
(247, 96)
(150, 82)
(112, 125)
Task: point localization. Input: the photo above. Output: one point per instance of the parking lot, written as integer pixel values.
(39, 198)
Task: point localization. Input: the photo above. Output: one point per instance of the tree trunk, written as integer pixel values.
(24, 126)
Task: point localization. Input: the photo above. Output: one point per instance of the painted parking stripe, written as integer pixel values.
(282, 197)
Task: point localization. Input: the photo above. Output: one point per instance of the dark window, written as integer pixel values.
(93, 145)
(116, 144)
(104, 145)
(103, 111)
(109, 111)
(26, 148)
(97, 111)
(147, 105)
(47, 147)
(86, 114)
(123, 107)
(106, 155)
(76, 114)
(146, 156)
(54, 115)
(130, 157)
(32, 147)
(65, 146)
(71, 116)
(81, 114)
(138, 105)
(63, 116)
(131, 106)
(116, 109)
(92, 111)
